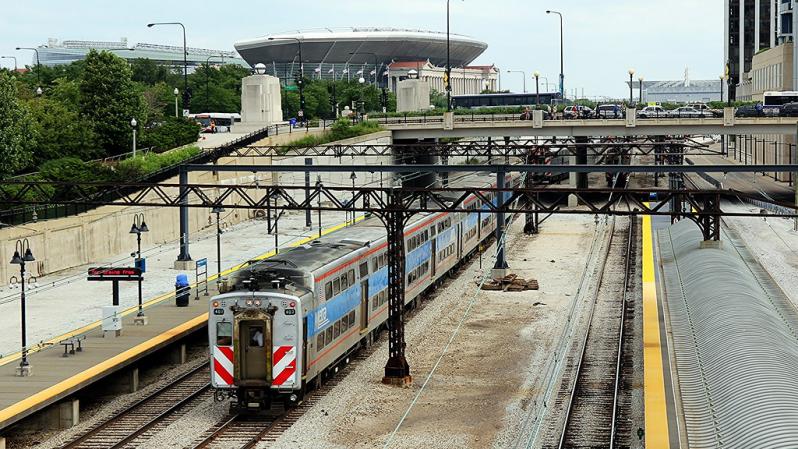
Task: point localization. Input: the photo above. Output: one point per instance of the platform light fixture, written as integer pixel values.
(23, 255)
(139, 227)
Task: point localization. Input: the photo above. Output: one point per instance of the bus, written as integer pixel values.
(502, 100)
(773, 101)
(216, 122)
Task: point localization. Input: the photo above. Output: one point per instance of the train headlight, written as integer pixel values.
(249, 302)
(257, 303)
(293, 398)
(215, 304)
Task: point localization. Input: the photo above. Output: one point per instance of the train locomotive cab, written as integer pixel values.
(256, 349)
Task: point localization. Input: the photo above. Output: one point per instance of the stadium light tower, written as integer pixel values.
(38, 64)
(301, 81)
(185, 59)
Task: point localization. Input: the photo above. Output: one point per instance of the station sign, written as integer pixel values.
(114, 274)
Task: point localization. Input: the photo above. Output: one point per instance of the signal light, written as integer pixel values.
(215, 304)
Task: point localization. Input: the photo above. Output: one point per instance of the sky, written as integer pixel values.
(603, 39)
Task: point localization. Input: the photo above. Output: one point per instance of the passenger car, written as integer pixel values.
(576, 111)
(609, 111)
(652, 112)
(688, 112)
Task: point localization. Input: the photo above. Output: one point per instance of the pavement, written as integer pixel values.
(65, 302)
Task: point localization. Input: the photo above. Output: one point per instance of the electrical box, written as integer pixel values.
(112, 318)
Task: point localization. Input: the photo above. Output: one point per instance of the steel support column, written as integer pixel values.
(397, 370)
(184, 255)
(501, 263)
(581, 159)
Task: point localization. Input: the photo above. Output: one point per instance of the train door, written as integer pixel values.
(433, 257)
(254, 353)
(459, 236)
(364, 305)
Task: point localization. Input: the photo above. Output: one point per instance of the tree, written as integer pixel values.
(62, 132)
(437, 99)
(110, 99)
(17, 137)
(217, 89)
(149, 72)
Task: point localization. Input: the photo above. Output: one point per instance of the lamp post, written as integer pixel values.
(138, 227)
(301, 81)
(208, 76)
(640, 79)
(39, 91)
(38, 65)
(11, 57)
(23, 254)
(523, 74)
(537, 89)
(218, 210)
(362, 104)
(176, 92)
(631, 85)
(134, 124)
(448, 62)
(185, 59)
(562, 52)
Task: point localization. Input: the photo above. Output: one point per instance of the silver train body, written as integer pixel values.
(286, 321)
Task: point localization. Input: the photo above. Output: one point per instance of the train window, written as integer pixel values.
(224, 333)
(320, 341)
(329, 337)
(256, 337)
(328, 290)
(336, 329)
(351, 318)
(351, 275)
(344, 282)
(336, 286)
(364, 269)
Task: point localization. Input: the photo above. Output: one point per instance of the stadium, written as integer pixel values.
(328, 53)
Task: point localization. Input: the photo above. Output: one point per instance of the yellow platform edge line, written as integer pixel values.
(656, 415)
(158, 299)
(93, 371)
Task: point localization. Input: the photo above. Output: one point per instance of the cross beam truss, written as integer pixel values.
(516, 148)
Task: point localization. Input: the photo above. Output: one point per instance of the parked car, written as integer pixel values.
(609, 111)
(652, 112)
(750, 110)
(688, 112)
(576, 111)
(704, 108)
(789, 110)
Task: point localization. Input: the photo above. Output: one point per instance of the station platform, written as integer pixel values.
(55, 377)
(661, 419)
(750, 183)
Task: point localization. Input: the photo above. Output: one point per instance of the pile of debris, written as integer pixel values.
(510, 283)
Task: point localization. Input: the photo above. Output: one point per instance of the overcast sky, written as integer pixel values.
(603, 39)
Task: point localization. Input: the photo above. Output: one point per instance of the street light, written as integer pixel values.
(537, 88)
(448, 62)
(134, 124)
(11, 57)
(353, 177)
(139, 226)
(301, 81)
(23, 254)
(176, 92)
(522, 74)
(39, 91)
(631, 85)
(562, 67)
(640, 79)
(218, 210)
(185, 59)
(208, 76)
(38, 65)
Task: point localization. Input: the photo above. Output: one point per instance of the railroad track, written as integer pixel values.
(591, 406)
(130, 426)
(247, 431)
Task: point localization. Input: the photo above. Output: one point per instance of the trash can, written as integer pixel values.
(182, 290)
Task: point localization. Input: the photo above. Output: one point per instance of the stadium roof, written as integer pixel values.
(335, 45)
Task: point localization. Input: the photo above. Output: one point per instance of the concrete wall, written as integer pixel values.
(772, 70)
(412, 95)
(104, 232)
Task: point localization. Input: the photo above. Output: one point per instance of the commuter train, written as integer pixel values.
(282, 324)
